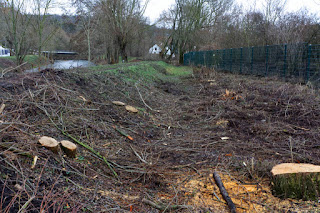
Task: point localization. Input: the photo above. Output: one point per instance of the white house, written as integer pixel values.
(169, 51)
(155, 49)
(4, 52)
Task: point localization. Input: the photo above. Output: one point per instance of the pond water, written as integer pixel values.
(64, 64)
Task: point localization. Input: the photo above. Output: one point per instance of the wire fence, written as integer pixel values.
(300, 61)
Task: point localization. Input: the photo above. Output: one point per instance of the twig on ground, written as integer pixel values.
(164, 207)
(16, 150)
(34, 162)
(140, 158)
(5, 71)
(123, 133)
(92, 150)
(188, 165)
(80, 143)
(26, 204)
(2, 108)
(144, 101)
(224, 192)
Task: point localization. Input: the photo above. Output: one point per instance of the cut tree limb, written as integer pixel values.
(224, 192)
(163, 207)
(118, 103)
(69, 148)
(144, 101)
(9, 69)
(16, 150)
(2, 108)
(49, 143)
(34, 162)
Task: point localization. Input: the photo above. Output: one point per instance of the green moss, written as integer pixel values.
(176, 70)
(297, 186)
(144, 71)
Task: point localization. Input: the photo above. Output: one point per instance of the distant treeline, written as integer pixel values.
(107, 30)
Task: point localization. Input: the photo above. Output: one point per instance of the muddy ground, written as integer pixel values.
(160, 159)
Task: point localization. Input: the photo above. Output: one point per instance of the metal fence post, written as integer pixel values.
(217, 59)
(241, 51)
(204, 59)
(252, 60)
(267, 58)
(285, 61)
(308, 62)
(223, 59)
(230, 59)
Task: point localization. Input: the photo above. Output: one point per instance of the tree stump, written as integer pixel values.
(298, 181)
(50, 143)
(69, 148)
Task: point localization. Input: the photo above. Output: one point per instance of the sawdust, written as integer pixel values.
(248, 197)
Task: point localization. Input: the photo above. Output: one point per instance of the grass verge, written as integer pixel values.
(144, 71)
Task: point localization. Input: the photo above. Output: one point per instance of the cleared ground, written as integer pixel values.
(189, 123)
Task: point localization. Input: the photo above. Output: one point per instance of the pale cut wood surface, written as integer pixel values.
(292, 168)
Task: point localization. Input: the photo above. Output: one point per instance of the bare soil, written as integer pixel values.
(166, 153)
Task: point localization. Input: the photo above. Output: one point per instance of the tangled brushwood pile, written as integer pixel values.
(149, 137)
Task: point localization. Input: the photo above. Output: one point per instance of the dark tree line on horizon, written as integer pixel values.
(107, 30)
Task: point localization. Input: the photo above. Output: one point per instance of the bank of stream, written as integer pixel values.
(64, 64)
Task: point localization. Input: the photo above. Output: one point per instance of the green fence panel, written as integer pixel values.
(300, 61)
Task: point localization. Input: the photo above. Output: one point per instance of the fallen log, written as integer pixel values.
(224, 192)
(69, 148)
(49, 143)
(297, 181)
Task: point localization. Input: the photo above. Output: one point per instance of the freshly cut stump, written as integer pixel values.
(69, 148)
(298, 181)
(131, 109)
(118, 103)
(50, 143)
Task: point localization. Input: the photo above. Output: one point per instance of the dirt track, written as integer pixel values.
(238, 125)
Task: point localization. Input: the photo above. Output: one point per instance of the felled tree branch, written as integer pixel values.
(163, 206)
(224, 192)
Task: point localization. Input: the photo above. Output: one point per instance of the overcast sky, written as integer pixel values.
(155, 7)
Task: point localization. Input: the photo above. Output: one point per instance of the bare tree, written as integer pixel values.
(85, 11)
(188, 19)
(273, 10)
(122, 16)
(17, 28)
(39, 23)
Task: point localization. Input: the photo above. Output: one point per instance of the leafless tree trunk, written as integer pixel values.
(17, 28)
(123, 17)
(85, 11)
(41, 8)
